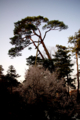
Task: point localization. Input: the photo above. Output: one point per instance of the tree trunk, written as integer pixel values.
(36, 54)
(77, 75)
(38, 49)
(11, 88)
(68, 84)
(49, 57)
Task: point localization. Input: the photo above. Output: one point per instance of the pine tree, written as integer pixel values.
(28, 27)
(1, 71)
(11, 77)
(62, 62)
(75, 40)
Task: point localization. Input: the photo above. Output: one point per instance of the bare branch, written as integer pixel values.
(39, 32)
(37, 41)
(45, 33)
(36, 34)
(48, 31)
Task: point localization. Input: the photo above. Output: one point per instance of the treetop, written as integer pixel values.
(28, 27)
(55, 24)
(32, 19)
(32, 23)
(76, 41)
(29, 23)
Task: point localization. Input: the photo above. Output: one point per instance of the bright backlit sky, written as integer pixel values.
(11, 11)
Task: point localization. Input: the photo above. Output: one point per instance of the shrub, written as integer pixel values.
(43, 91)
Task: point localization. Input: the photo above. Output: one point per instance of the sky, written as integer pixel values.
(12, 11)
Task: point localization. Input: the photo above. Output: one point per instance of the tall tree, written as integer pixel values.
(12, 72)
(1, 71)
(27, 28)
(11, 76)
(75, 40)
(62, 61)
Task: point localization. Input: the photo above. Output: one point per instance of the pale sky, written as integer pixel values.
(11, 11)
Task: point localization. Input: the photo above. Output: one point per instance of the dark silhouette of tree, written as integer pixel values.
(31, 60)
(12, 72)
(62, 62)
(46, 63)
(75, 40)
(1, 71)
(27, 28)
(11, 77)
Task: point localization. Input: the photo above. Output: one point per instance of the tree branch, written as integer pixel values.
(39, 32)
(32, 35)
(38, 49)
(48, 31)
(36, 34)
(25, 47)
(54, 29)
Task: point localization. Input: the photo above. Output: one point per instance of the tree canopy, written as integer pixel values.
(75, 40)
(28, 27)
(46, 63)
(11, 76)
(62, 60)
(1, 71)
(12, 72)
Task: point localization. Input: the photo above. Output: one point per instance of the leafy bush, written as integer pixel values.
(43, 92)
